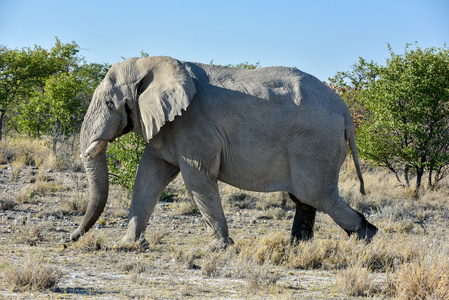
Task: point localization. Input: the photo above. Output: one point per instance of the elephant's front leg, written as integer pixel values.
(153, 175)
(204, 189)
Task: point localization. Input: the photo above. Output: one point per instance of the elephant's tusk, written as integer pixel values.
(94, 148)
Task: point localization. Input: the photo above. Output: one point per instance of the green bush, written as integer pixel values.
(123, 158)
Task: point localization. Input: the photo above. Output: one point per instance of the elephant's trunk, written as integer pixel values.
(95, 164)
(97, 175)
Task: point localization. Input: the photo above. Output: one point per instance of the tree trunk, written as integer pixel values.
(407, 181)
(2, 114)
(419, 174)
(55, 137)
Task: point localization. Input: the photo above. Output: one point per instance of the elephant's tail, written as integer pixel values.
(351, 138)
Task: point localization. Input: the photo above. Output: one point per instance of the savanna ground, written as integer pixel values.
(43, 197)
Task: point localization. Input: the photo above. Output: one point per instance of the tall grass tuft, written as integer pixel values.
(31, 275)
(355, 281)
(256, 276)
(424, 278)
(91, 242)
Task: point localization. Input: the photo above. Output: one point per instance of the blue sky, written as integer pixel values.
(318, 37)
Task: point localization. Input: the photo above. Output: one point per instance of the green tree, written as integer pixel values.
(20, 70)
(24, 72)
(349, 85)
(56, 112)
(406, 123)
(245, 65)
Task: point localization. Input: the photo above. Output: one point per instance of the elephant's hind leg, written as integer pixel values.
(304, 221)
(153, 175)
(349, 220)
(204, 189)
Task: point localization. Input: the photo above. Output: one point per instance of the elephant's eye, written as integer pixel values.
(110, 103)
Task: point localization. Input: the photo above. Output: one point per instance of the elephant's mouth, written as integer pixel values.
(94, 148)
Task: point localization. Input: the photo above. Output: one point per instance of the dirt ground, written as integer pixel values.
(178, 264)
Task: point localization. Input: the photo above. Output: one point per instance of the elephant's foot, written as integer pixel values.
(221, 244)
(366, 230)
(129, 244)
(76, 235)
(301, 236)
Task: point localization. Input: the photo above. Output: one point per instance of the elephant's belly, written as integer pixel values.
(256, 173)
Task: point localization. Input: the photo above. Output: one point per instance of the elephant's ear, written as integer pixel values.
(164, 90)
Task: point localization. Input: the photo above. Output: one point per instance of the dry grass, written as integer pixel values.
(23, 151)
(427, 277)
(26, 195)
(31, 275)
(47, 188)
(256, 276)
(212, 264)
(180, 208)
(30, 233)
(185, 257)
(7, 204)
(356, 281)
(91, 241)
(134, 266)
(155, 235)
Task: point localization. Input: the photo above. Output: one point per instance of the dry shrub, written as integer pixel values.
(19, 161)
(355, 281)
(136, 278)
(74, 205)
(30, 275)
(275, 213)
(184, 208)
(315, 254)
(23, 151)
(275, 199)
(31, 232)
(239, 200)
(256, 276)
(3, 160)
(272, 249)
(27, 194)
(185, 257)
(155, 235)
(133, 266)
(380, 255)
(91, 242)
(425, 278)
(212, 264)
(47, 188)
(7, 204)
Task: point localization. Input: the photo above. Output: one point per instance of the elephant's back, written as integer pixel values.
(277, 84)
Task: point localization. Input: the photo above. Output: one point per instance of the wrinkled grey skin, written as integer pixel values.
(270, 129)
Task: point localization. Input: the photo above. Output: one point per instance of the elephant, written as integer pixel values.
(267, 129)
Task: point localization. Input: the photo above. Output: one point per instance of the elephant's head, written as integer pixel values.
(140, 95)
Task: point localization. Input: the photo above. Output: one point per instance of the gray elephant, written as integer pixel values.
(269, 129)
